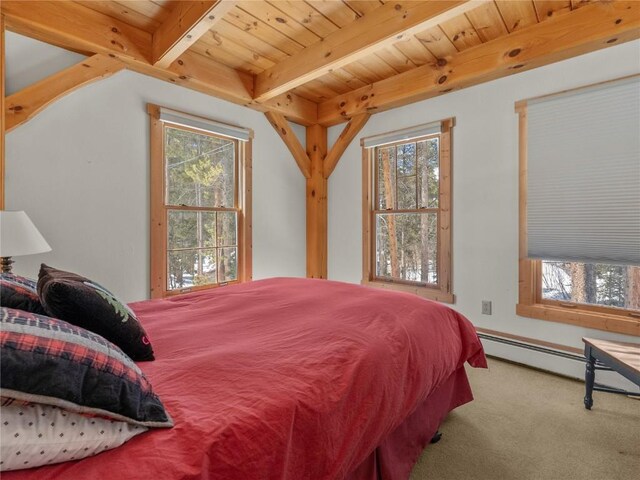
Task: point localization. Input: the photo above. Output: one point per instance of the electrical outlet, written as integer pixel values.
(486, 307)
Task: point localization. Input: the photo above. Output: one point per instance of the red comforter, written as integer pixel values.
(284, 379)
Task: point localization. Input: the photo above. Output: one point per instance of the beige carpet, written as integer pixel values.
(529, 425)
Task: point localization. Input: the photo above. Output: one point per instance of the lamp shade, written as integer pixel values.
(19, 236)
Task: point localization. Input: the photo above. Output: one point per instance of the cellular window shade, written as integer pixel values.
(192, 121)
(583, 175)
(399, 135)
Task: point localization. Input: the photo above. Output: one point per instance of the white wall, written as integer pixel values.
(81, 171)
(485, 190)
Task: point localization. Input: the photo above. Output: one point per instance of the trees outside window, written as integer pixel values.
(591, 284)
(407, 216)
(200, 208)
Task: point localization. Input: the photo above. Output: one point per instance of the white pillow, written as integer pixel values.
(34, 434)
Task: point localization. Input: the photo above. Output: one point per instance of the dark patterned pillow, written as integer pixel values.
(19, 292)
(49, 361)
(82, 302)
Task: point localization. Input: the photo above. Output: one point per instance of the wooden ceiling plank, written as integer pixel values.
(159, 12)
(589, 28)
(337, 12)
(376, 63)
(396, 59)
(122, 12)
(414, 50)
(306, 16)
(335, 83)
(579, 3)
(363, 7)
(487, 21)
(346, 136)
(187, 23)
(282, 127)
(21, 106)
(214, 41)
(437, 42)
(348, 78)
(265, 32)
(73, 26)
(376, 30)
(280, 21)
(250, 42)
(461, 33)
(547, 9)
(517, 14)
(364, 73)
(310, 94)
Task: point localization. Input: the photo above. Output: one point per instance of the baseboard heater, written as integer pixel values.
(531, 344)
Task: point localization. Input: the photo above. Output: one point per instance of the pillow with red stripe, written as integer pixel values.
(49, 361)
(19, 292)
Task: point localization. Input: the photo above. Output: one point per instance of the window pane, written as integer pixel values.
(227, 264)
(227, 229)
(406, 154)
(191, 229)
(200, 169)
(596, 284)
(191, 267)
(406, 246)
(429, 172)
(386, 161)
(407, 193)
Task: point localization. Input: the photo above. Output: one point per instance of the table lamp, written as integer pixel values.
(18, 236)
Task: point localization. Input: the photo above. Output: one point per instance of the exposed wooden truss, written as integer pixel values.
(282, 127)
(346, 136)
(26, 103)
(324, 62)
(79, 28)
(187, 23)
(590, 28)
(316, 165)
(381, 28)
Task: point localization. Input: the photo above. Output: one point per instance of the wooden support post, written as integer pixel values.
(317, 203)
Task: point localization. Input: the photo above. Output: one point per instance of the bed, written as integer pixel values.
(292, 379)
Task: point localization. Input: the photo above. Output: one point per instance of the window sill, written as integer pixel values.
(583, 318)
(424, 292)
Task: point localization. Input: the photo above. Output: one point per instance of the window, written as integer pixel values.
(200, 203)
(406, 210)
(579, 203)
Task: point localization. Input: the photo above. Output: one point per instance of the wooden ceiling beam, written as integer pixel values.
(282, 127)
(346, 136)
(76, 27)
(21, 106)
(375, 30)
(589, 28)
(187, 22)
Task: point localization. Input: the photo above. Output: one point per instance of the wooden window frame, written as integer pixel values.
(159, 211)
(443, 291)
(530, 302)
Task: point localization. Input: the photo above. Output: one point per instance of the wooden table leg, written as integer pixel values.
(589, 377)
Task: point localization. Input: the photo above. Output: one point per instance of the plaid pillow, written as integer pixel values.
(80, 301)
(19, 292)
(49, 361)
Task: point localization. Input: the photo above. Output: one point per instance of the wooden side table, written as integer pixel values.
(620, 357)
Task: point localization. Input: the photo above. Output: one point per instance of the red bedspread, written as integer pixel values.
(284, 379)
